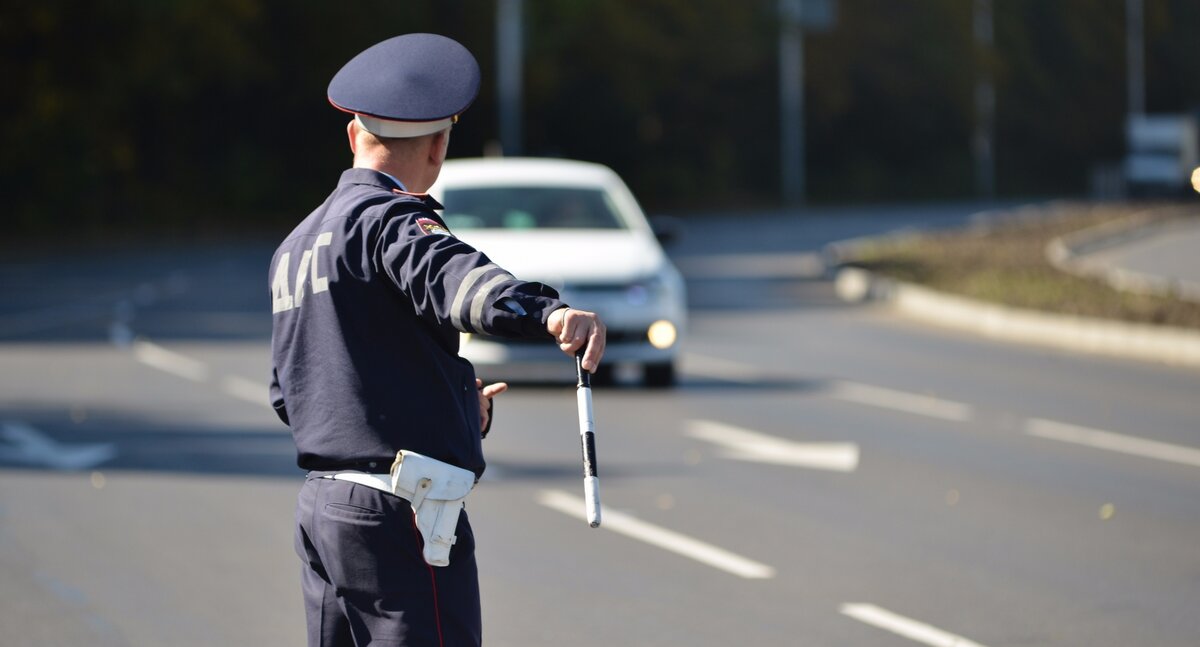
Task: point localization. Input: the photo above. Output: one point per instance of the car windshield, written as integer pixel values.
(529, 208)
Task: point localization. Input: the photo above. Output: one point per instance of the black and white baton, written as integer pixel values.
(587, 434)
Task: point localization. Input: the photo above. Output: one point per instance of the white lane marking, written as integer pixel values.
(669, 540)
(245, 389)
(186, 367)
(915, 403)
(1112, 442)
(158, 357)
(32, 447)
(875, 396)
(907, 627)
(743, 444)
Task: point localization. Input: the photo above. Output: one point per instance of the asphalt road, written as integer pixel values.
(824, 475)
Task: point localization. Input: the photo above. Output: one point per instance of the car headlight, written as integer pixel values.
(662, 334)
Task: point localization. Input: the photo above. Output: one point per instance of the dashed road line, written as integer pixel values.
(856, 392)
(668, 540)
(904, 401)
(907, 627)
(245, 389)
(1113, 442)
(933, 407)
(236, 386)
(743, 444)
(152, 354)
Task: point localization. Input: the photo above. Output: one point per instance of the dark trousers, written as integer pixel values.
(365, 581)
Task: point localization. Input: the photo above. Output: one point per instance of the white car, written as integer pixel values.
(574, 226)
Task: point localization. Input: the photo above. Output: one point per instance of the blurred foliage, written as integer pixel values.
(130, 114)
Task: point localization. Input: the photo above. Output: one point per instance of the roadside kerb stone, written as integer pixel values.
(1175, 346)
(1071, 254)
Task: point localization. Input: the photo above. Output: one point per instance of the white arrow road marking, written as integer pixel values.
(1107, 440)
(154, 355)
(907, 627)
(672, 541)
(746, 445)
(31, 447)
(916, 403)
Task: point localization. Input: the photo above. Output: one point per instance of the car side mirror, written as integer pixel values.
(667, 229)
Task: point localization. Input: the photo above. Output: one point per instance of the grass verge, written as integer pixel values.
(1004, 261)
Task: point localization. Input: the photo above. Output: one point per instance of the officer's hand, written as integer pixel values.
(575, 329)
(486, 393)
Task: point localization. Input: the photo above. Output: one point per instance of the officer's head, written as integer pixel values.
(405, 94)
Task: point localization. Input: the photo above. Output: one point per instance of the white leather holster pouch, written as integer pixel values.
(437, 492)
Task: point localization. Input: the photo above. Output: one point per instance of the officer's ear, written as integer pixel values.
(439, 144)
(352, 134)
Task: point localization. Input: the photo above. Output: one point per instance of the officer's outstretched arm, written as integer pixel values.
(453, 284)
(575, 329)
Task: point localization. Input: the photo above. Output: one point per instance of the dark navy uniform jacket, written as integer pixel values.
(369, 294)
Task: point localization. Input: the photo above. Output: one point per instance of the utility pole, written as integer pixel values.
(1135, 57)
(983, 141)
(791, 101)
(794, 17)
(509, 78)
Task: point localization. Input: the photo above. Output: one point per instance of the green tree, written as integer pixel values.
(180, 113)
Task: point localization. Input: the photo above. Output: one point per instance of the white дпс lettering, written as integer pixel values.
(282, 298)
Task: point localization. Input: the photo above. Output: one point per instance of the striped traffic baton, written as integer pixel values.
(587, 434)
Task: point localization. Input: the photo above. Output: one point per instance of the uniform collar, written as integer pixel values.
(393, 178)
(371, 177)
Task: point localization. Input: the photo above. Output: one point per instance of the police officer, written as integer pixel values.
(369, 295)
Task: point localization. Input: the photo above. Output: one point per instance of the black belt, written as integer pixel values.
(374, 466)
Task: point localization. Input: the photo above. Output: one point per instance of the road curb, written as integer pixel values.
(1175, 346)
(1070, 254)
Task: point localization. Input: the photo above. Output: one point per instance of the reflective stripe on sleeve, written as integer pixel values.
(480, 300)
(467, 289)
(463, 288)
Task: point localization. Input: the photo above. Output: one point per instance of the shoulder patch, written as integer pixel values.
(431, 226)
